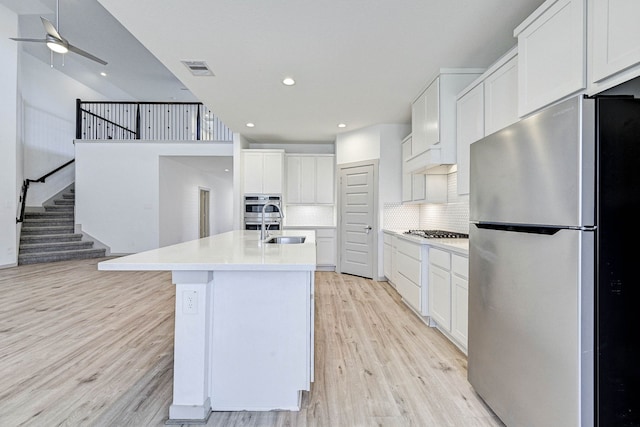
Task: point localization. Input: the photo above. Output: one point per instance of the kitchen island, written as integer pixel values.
(243, 321)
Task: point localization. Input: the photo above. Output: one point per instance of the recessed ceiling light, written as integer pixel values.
(288, 81)
(250, 125)
(226, 170)
(103, 74)
(342, 125)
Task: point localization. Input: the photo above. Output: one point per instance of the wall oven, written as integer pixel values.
(253, 205)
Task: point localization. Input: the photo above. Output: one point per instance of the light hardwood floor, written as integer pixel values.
(85, 347)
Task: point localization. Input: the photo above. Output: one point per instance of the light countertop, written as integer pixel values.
(238, 250)
(460, 246)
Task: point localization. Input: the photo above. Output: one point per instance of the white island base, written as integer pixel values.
(243, 331)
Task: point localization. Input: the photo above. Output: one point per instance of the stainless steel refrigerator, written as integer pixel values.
(553, 293)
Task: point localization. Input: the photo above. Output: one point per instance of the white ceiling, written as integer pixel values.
(360, 62)
(132, 70)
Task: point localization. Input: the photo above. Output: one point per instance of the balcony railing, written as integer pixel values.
(149, 121)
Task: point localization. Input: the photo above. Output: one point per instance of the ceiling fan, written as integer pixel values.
(56, 42)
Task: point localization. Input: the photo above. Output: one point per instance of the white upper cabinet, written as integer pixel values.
(432, 114)
(310, 179)
(551, 54)
(406, 176)
(489, 104)
(418, 125)
(433, 121)
(263, 171)
(470, 117)
(614, 42)
(501, 95)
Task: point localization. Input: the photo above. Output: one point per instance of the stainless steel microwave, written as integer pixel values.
(255, 203)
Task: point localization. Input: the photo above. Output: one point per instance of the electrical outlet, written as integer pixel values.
(189, 302)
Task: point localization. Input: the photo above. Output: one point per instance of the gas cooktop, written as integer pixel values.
(437, 234)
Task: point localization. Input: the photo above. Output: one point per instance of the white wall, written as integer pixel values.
(239, 143)
(358, 145)
(384, 143)
(179, 211)
(49, 123)
(9, 172)
(118, 189)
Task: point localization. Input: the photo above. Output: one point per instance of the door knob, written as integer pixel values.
(368, 228)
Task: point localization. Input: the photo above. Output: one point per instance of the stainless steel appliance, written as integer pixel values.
(253, 204)
(552, 285)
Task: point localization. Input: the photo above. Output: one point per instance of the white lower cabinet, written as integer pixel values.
(326, 248)
(448, 294)
(460, 299)
(432, 281)
(440, 287)
(411, 275)
(387, 248)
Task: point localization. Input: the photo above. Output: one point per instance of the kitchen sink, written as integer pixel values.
(286, 240)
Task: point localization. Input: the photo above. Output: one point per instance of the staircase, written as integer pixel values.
(50, 235)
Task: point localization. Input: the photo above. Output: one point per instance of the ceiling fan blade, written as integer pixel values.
(51, 29)
(86, 54)
(28, 40)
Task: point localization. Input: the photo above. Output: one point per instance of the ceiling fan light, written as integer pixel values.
(57, 47)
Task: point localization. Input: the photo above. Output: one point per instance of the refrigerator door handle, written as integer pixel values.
(519, 228)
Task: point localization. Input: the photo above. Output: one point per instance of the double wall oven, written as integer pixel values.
(253, 206)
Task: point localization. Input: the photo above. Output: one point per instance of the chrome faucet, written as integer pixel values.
(264, 233)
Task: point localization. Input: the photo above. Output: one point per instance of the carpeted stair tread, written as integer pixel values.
(59, 208)
(47, 238)
(39, 257)
(44, 222)
(55, 229)
(55, 246)
(49, 214)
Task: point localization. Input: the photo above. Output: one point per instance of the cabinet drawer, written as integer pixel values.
(410, 249)
(460, 265)
(409, 291)
(440, 258)
(408, 267)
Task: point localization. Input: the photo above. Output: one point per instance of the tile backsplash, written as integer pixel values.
(303, 215)
(451, 216)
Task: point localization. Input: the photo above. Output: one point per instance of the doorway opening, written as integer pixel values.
(204, 222)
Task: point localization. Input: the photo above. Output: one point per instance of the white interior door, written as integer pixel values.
(357, 220)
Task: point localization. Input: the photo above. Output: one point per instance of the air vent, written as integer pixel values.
(198, 68)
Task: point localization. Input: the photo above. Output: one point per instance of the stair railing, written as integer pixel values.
(149, 121)
(27, 182)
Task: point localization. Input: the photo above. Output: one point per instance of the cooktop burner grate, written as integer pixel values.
(437, 234)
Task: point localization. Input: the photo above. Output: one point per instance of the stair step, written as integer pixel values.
(55, 246)
(53, 214)
(65, 202)
(47, 222)
(39, 257)
(57, 229)
(59, 208)
(46, 238)
(68, 196)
